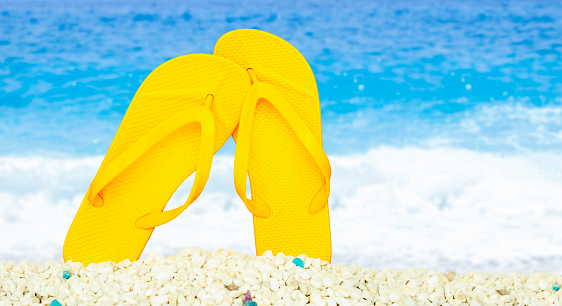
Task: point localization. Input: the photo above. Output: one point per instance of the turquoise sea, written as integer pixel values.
(471, 74)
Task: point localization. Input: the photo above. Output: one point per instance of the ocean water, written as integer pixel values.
(442, 120)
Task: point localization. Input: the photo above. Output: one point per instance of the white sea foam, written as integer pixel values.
(438, 209)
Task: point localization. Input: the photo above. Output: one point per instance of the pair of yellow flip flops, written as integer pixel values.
(257, 88)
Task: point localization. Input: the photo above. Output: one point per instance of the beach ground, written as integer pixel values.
(196, 277)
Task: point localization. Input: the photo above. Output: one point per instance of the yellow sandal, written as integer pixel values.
(279, 145)
(181, 115)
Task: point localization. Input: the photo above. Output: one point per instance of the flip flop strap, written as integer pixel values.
(262, 90)
(200, 114)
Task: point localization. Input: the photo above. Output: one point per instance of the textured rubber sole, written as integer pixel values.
(108, 233)
(281, 171)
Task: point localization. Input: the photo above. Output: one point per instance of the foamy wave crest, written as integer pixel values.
(390, 207)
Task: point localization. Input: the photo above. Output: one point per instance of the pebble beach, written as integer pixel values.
(196, 277)
(441, 120)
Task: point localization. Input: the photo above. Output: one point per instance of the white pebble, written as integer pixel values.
(163, 276)
(226, 280)
(304, 275)
(328, 282)
(316, 284)
(394, 296)
(278, 261)
(274, 284)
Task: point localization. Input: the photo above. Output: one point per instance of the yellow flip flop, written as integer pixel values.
(181, 115)
(279, 145)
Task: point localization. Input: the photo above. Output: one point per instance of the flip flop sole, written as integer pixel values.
(108, 233)
(282, 172)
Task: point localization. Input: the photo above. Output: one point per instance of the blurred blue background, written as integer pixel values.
(471, 74)
(442, 121)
